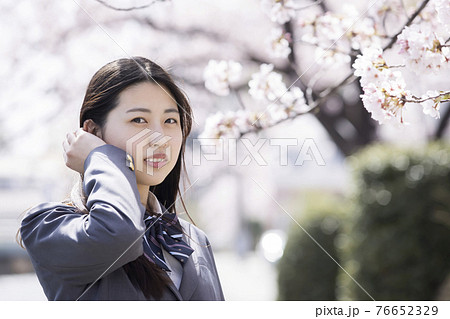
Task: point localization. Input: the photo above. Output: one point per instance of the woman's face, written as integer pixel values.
(146, 122)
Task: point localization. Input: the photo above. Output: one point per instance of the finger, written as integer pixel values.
(65, 146)
(70, 137)
(79, 131)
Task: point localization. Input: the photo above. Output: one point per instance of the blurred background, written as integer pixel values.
(365, 214)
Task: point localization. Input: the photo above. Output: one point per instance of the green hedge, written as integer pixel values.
(397, 243)
(306, 272)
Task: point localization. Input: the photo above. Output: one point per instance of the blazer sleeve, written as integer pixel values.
(82, 247)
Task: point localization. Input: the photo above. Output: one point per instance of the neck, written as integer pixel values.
(143, 192)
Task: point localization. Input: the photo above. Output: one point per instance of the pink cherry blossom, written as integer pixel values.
(423, 49)
(220, 75)
(266, 84)
(279, 11)
(278, 44)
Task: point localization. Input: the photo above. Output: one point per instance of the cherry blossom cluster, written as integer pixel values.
(234, 124)
(422, 46)
(442, 7)
(278, 43)
(382, 9)
(334, 34)
(339, 32)
(220, 75)
(279, 11)
(423, 50)
(431, 102)
(437, 13)
(266, 86)
(385, 91)
(385, 94)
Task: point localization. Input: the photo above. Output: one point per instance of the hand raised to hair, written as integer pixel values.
(77, 147)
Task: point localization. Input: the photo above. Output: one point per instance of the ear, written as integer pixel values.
(91, 127)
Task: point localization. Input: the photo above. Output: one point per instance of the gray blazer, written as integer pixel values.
(81, 256)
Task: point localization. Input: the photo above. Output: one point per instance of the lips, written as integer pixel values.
(160, 156)
(156, 160)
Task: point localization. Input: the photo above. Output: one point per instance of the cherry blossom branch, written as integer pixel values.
(258, 128)
(415, 99)
(295, 102)
(351, 77)
(335, 50)
(311, 83)
(316, 3)
(407, 24)
(397, 66)
(348, 79)
(402, 3)
(291, 57)
(127, 9)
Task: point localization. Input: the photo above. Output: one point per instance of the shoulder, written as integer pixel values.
(41, 220)
(197, 240)
(194, 231)
(49, 207)
(45, 212)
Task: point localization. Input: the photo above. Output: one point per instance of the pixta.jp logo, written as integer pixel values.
(149, 149)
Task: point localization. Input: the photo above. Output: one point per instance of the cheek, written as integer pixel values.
(117, 138)
(176, 143)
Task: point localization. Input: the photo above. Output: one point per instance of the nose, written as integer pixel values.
(160, 139)
(160, 142)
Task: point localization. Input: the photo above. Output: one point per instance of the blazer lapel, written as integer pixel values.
(189, 282)
(189, 279)
(174, 290)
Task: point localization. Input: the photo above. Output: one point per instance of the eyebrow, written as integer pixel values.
(146, 110)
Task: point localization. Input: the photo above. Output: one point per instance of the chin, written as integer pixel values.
(150, 180)
(155, 178)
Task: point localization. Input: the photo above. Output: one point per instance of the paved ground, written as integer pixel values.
(20, 287)
(249, 278)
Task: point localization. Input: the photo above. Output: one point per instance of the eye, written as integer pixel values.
(174, 121)
(139, 120)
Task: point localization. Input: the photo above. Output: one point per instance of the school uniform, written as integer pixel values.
(81, 256)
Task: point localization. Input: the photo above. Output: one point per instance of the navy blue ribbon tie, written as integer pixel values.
(165, 233)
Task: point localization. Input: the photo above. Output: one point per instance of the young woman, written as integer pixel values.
(118, 237)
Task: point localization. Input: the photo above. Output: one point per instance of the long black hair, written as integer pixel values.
(101, 97)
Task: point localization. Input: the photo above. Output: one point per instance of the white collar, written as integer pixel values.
(153, 203)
